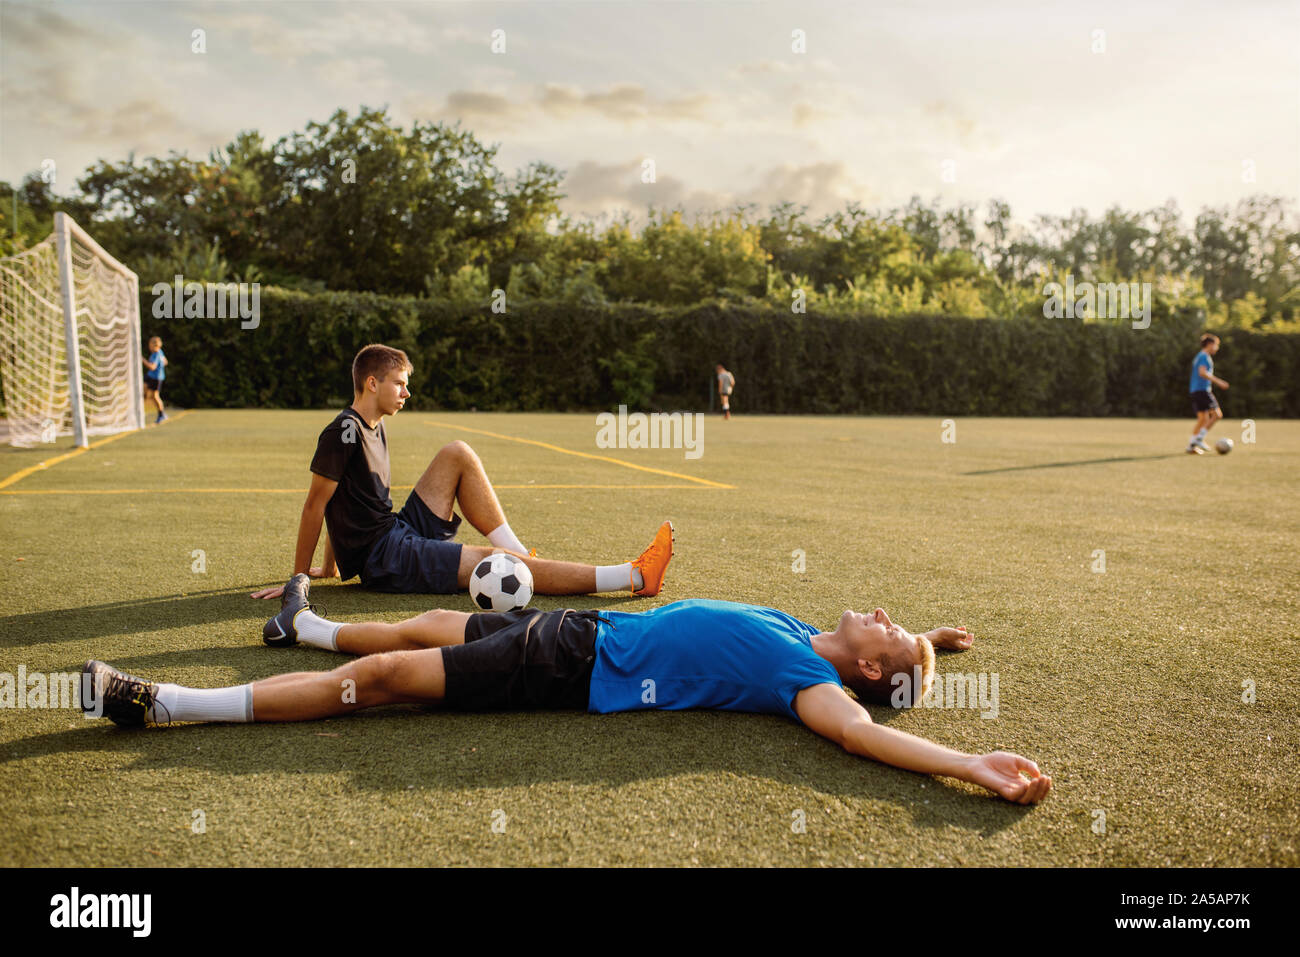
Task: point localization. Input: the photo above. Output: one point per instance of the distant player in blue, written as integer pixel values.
(726, 386)
(155, 370)
(1204, 403)
(688, 654)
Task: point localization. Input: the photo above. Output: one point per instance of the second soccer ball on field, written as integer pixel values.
(501, 583)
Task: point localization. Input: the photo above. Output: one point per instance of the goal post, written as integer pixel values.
(69, 340)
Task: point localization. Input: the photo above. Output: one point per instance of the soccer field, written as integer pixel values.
(1137, 605)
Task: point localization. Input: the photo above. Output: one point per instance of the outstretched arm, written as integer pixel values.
(826, 709)
(309, 526)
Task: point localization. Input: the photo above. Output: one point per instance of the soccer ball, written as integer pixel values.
(1223, 446)
(501, 582)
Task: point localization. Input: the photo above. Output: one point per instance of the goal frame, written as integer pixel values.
(65, 230)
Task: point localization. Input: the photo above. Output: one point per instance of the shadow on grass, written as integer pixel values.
(399, 749)
(226, 605)
(1062, 465)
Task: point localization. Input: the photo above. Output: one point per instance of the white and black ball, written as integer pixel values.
(1223, 446)
(501, 582)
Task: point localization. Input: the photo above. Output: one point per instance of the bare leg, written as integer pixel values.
(457, 475)
(398, 677)
(433, 629)
(549, 577)
(1214, 416)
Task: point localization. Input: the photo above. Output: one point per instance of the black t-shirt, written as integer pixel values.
(360, 510)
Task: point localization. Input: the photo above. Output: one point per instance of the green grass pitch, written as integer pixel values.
(1126, 685)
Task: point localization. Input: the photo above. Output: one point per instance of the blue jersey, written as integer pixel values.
(1202, 361)
(159, 371)
(705, 654)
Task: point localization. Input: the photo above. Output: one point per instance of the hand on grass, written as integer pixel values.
(278, 590)
(1001, 772)
(954, 639)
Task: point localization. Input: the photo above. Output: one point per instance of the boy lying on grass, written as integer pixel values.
(688, 654)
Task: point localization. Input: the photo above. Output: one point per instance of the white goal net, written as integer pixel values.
(69, 340)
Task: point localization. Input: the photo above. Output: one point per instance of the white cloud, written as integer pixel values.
(289, 32)
(625, 103)
(592, 187)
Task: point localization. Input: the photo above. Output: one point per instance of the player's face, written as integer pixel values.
(873, 633)
(392, 393)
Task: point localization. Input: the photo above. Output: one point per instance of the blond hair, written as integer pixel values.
(882, 690)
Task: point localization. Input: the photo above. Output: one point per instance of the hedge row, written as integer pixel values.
(558, 356)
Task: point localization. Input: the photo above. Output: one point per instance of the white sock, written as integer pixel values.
(1200, 436)
(176, 703)
(316, 631)
(504, 537)
(618, 577)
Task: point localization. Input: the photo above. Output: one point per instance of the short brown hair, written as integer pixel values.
(1208, 338)
(881, 690)
(377, 360)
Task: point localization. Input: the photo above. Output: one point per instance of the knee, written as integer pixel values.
(429, 618)
(458, 450)
(422, 625)
(378, 677)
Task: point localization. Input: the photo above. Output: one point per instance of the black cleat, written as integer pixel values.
(279, 632)
(125, 699)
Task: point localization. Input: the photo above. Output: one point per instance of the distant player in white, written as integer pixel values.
(726, 383)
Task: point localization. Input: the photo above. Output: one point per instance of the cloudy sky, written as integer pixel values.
(1049, 107)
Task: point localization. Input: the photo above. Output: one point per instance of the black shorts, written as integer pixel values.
(522, 660)
(1204, 401)
(153, 384)
(416, 555)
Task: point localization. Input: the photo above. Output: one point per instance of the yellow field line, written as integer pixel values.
(41, 466)
(299, 491)
(585, 455)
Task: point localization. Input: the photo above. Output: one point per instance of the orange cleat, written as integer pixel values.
(653, 562)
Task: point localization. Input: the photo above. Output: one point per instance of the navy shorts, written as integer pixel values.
(154, 384)
(416, 554)
(1204, 401)
(522, 660)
